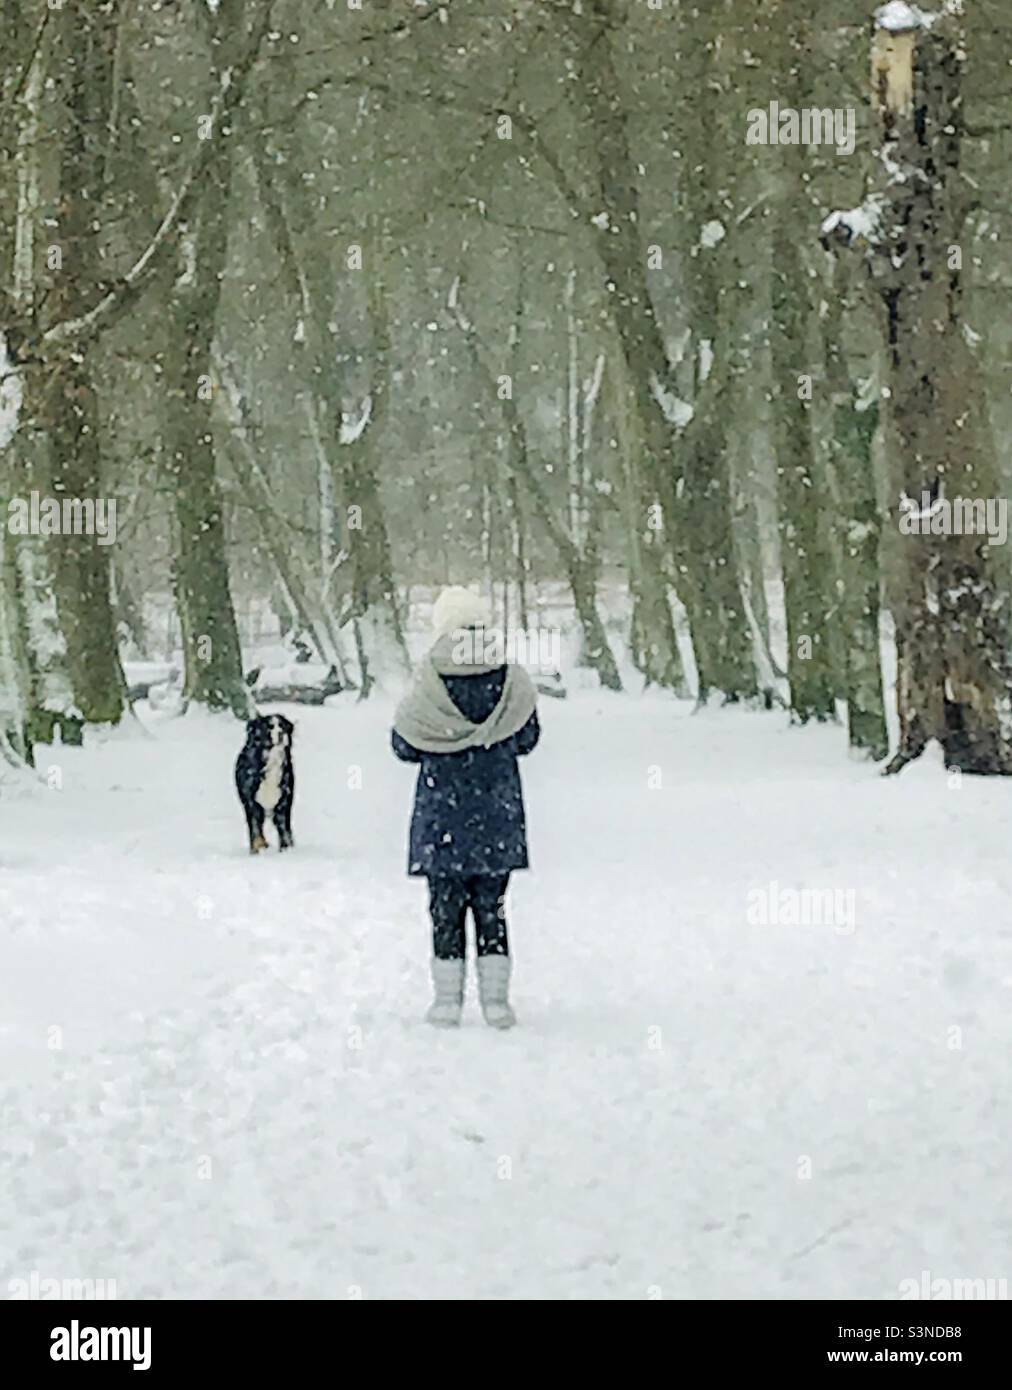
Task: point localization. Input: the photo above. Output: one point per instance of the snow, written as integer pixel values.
(705, 359)
(869, 393)
(11, 392)
(292, 673)
(899, 17)
(676, 411)
(353, 427)
(217, 1081)
(862, 221)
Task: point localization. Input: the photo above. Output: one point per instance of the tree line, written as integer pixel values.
(335, 297)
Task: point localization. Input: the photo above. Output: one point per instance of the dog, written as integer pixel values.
(265, 779)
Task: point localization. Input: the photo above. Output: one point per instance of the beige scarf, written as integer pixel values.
(429, 720)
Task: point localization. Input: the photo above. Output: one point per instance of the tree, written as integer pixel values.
(52, 335)
(954, 682)
(854, 422)
(580, 560)
(802, 495)
(214, 674)
(82, 53)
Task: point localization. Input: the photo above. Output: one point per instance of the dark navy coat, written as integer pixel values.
(469, 808)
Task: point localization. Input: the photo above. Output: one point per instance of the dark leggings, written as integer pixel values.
(449, 899)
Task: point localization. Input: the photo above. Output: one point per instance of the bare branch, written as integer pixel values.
(127, 290)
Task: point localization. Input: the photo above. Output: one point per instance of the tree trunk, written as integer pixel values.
(806, 560)
(129, 612)
(45, 695)
(854, 424)
(15, 682)
(373, 605)
(518, 547)
(52, 710)
(581, 568)
(581, 571)
(365, 570)
(653, 641)
(253, 481)
(596, 650)
(81, 568)
(616, 201)
(707, 556)
(213, 660)
(954, 682)
(722, 638)
(82, 59)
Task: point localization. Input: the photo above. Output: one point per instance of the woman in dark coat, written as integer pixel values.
(466, 722)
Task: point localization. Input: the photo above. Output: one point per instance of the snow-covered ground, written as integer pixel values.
(216, 1081)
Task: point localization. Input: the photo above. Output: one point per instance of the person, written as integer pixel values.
(466, 719)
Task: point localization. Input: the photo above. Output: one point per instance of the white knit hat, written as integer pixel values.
(457, 607)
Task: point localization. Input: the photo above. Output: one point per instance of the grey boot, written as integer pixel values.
(493, 988)
(448, 984)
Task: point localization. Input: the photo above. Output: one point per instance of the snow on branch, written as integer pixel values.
(11, 391)
(123, 293)
(863, 223)
(353, 427)
(899, 18)
(592, 384)
(455, 307)
(676, 411)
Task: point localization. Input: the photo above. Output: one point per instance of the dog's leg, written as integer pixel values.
(255, 821)
(283, 823)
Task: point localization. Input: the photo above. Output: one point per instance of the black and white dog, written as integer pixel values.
(265, 779)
